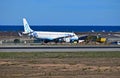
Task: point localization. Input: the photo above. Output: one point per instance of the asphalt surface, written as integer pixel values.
(60, 49)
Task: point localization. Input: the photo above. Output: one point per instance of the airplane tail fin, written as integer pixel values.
(27, 28)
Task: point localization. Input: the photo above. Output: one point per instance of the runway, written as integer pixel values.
(60, 49)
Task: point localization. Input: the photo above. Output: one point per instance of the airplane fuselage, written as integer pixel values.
(54, 35)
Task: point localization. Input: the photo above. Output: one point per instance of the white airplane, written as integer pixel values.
(49, 36)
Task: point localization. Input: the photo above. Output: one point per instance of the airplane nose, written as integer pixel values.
(76, 36)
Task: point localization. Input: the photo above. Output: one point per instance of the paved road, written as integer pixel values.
(59, 49)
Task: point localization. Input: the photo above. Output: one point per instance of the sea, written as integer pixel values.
(61, 28)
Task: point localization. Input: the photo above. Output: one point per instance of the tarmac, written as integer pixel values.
(46, 48)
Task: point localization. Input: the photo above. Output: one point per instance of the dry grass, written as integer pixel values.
(79, 67)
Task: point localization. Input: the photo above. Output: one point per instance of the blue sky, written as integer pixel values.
(60, 12)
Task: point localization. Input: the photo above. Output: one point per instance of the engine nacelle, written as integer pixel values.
(67, 40)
